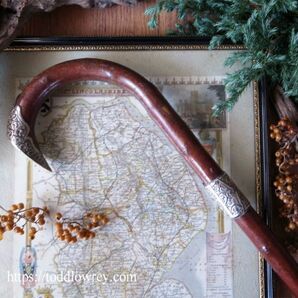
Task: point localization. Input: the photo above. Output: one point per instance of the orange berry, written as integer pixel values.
(292, 226)
(4, 218)
(14, 207)
(105, 220)
(77, 229)
(10, 221)
(41, 221)
(87, 235)
(33, 230)
(82, 233)
(29, 213)
(35, 210)
(9, 226)
(278, 138)
(21, 206)
(94, 225)
(59, 226)
(59, 234)
(17, 229)
(99, 216)
(31, 219)
(68, 238)
(73, 240)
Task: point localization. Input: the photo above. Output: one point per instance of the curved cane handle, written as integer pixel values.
(31, 99)
(22, 135)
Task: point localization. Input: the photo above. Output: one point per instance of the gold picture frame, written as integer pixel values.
(79, 50)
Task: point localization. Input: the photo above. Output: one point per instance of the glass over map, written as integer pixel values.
(166, 238)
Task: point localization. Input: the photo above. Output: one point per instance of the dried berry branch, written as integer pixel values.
(67, 229)
(285, 133)
(17, 217)
(70, 230)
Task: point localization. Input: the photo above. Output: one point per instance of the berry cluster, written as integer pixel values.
(70, 230)
(16, 218)
(286, 182)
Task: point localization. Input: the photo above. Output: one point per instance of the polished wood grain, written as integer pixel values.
(270, 248)
(113, 21)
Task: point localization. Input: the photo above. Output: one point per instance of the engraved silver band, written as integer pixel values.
(229, 197)
(18, 132)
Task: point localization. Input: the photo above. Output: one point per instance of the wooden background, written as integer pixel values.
(113, 21)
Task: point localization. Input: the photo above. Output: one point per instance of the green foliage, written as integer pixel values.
(267, 28)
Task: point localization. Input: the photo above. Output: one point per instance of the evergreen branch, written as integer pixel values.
(235, 84)
(267, 28)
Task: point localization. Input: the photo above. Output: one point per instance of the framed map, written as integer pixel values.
(169, 238)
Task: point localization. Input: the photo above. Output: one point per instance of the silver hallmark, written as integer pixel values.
(229, 197)
(18, 132)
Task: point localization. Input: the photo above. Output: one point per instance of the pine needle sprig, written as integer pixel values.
(268, 29)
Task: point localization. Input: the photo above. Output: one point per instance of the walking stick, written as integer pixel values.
(220, 186)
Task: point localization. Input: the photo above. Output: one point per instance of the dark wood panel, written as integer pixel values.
(113, 21)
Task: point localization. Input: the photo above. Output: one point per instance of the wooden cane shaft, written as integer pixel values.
(219, 184)
(270, 248)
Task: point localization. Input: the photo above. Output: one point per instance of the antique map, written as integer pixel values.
(169, 239)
